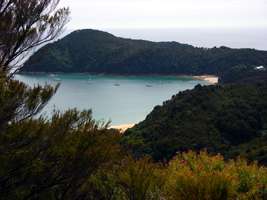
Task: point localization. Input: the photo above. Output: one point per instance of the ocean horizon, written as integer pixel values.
(255, 38)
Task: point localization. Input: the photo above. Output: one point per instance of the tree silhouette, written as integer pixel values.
(24, 25)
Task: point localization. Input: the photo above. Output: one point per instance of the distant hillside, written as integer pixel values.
(243, 74)
(229, 119)
(100, 52)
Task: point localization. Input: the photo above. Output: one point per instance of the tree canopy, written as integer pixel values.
(222, 119)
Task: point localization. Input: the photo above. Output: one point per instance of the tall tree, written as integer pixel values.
(26, 24)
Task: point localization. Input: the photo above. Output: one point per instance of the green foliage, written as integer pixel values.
(19, 102)
(24, 25)
(219, 118)
(139, 180)
(54, 159)
(200, 176)
(49, 158)
(243, 74)
(100, 52)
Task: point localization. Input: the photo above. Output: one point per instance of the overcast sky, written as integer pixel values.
(166, 13)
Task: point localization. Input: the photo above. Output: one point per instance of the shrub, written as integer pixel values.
(200, 176)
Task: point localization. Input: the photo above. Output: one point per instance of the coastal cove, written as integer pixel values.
(122, 100)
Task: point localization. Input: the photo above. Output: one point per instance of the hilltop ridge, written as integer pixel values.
(101, 52)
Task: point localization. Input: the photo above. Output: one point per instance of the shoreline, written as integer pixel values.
(212, 79)
(122, 128)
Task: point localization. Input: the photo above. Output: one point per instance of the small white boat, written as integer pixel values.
(52, 75)
(57, 79)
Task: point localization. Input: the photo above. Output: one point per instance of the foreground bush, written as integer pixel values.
(200, 176)
(189, 176)
(74, 157)
(55, 159)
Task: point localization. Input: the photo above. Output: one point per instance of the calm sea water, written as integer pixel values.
(121, 99)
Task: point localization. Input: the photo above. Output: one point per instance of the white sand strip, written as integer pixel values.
(122, 128)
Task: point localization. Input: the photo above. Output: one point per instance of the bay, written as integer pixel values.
(120, 99)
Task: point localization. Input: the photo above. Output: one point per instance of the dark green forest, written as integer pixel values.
(222, 119)
(243, 74)
(100, 52)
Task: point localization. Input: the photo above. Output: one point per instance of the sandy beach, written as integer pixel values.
(122, 128)
(209, 78)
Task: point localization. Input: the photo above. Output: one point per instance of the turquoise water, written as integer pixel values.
(121, 99)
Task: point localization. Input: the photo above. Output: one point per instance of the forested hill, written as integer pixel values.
(243, 74)
(227, 119)
(101, 52)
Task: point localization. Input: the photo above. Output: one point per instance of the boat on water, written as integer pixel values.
(52, 75)
(57, 79)
(149, 86)
(116, 84)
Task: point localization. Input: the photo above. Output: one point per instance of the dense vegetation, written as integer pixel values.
(244, 74)
(42, 161)
(100, 52)
(226, 119)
